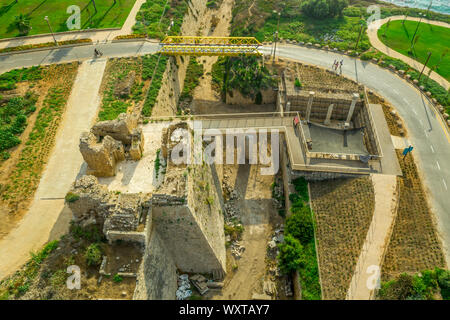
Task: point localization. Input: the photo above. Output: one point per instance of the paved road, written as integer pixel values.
(427, 132)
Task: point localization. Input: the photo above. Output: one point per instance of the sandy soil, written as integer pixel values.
(258, 215)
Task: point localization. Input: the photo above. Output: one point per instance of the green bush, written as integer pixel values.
(297, 83)
(248, 76)
(301, 187)
(290, 256)
(117, 278)
(300, 225)
(423, 286)
(321, 9)
(90, 233)
(93, 255)
(72, 197)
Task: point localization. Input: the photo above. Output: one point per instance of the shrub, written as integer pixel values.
(291, 254)
(90, 233)
(301, 187)
(117, 278)
(419, 286)
(71, 197)
(321, 9)
(297, 83)
(234, 231)
(248, 76)
(300, 225)
(93, 255)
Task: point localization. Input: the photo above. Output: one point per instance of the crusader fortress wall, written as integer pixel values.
(173, 79)
(180, 225)
(188, 213)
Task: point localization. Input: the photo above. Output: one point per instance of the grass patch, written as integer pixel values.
(108, 15)
(194, 71)
(149, 22)
(148, 64)
(13, 119)
(20, 282)
(25, 177)
(430, 38)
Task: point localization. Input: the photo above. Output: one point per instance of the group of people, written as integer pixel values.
(338, 64)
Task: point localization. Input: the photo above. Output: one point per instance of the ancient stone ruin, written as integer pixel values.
(180, 226)
(110, 142)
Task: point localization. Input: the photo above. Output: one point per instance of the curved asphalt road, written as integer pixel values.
(427, 132)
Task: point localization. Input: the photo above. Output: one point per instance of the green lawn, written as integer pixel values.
(434, 39)
(109, 15)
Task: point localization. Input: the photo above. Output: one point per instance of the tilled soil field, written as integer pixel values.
(343, 210)
(414, 244)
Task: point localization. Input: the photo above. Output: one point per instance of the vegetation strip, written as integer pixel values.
(298, 251)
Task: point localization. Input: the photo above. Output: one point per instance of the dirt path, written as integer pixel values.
(372, 32)
(47, 217)
(258, 215)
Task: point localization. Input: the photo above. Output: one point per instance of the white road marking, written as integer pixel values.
(406, 101)
(439, 167)
(415, 112)
(445, 185)
(426, 134)
(421, 123)
(432, 150)
(396, 92)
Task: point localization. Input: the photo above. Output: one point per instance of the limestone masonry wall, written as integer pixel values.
(175, 73)
(157, 275)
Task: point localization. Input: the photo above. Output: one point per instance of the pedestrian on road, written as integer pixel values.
(334, 64)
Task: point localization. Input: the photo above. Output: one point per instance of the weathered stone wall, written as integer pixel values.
(194, 231)
(120, 129)
(361, 119)
(269, 96)
(175, 73)
(157, 275)
(101, 157)
(319, 175)
(320, 106)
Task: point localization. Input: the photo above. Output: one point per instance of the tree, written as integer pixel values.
(291, 255)
(300, 225)
(22, 23)
(321, 9)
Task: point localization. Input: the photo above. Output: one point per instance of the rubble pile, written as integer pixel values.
(277, 238)
(270, 288)
(200, 283)
(288, 287)
(184, 287)
(237, 249)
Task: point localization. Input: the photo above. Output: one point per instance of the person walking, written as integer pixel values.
(340, 66)
(334, 64)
